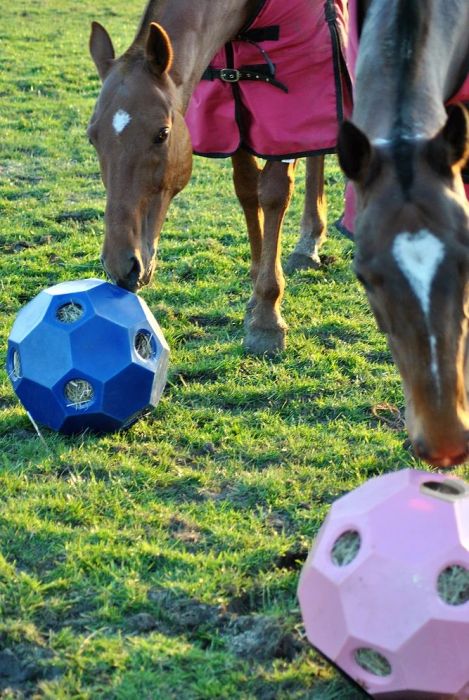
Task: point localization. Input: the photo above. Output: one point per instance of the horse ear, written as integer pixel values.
(455, 133)
(353, 150)
(450, 147)
(158, 49)
(101, 49)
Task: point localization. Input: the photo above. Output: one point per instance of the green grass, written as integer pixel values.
(162, 562)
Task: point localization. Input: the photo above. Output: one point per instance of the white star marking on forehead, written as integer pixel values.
(120, 120)
(418, 256)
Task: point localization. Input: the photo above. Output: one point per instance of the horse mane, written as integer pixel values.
(153, 9)
(411, 29)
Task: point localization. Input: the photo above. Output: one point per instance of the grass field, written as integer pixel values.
(162, 562)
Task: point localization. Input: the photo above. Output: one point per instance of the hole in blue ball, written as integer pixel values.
(16, 371)
(144, 344)
(69, 312)
(78, 393)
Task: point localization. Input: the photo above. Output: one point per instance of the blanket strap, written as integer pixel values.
(234, 75)
(465, 170)
(264, 72)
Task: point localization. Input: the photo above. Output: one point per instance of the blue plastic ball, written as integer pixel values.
(87, 355)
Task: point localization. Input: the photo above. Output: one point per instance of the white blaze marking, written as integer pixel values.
(434, 362)
(418, 256)
(120, 121)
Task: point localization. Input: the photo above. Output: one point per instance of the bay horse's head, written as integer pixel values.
(412, 234)
(143, 146)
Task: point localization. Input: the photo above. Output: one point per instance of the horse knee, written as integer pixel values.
(276, 187)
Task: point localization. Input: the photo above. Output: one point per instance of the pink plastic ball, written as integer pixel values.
(384, 593)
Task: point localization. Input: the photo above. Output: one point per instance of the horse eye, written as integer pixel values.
(162, 135)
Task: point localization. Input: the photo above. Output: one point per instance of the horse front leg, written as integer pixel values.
(246, 174)
(266, 329)
(313, 221)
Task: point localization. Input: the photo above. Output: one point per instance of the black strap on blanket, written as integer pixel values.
(465, 171)
(261, 34)
(264, 72)
(259, 72)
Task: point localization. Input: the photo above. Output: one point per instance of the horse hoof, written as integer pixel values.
(300, 261)
(261, 341)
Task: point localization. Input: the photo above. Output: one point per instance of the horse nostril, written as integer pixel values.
(134, 273)
(420, 449)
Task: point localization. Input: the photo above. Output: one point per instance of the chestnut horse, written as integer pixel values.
(404, 153)
(142, 172)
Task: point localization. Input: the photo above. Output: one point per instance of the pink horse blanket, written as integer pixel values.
(347, 223)
(280, 88)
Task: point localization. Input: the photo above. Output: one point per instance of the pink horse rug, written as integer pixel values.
(280, 88)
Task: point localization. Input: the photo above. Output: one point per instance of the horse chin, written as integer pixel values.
(439, 450)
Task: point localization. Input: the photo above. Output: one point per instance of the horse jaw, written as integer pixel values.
(438, 426)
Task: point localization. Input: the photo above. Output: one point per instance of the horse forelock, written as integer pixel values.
(403, 155)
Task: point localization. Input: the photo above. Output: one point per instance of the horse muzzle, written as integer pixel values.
(128, 270)
(443, 457)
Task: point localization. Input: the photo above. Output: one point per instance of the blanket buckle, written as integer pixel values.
(230, 75)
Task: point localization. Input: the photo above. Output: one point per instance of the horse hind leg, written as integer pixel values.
(265, 327)
(313, 224)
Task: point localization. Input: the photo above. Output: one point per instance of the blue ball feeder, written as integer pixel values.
(87, 355)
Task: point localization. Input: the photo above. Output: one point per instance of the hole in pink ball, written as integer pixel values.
(453, 585)
(372, 661)
(346, 548)
(448, 490)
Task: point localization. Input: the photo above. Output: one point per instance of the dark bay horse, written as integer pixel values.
(405, 153)
(151, 85)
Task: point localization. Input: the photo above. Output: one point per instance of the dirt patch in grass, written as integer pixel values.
(261, 638)
(255, 637)
(185, 532)
(292, 559)
(184, 615)
(22, 667)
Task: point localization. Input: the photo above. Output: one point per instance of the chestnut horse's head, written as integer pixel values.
(144, 150)
(412, 233)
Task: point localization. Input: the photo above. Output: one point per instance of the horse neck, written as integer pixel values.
(197, 29)
(405, 96)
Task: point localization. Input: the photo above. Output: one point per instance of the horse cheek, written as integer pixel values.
(179, 168)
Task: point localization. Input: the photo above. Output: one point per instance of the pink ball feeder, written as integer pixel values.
(384, 592)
